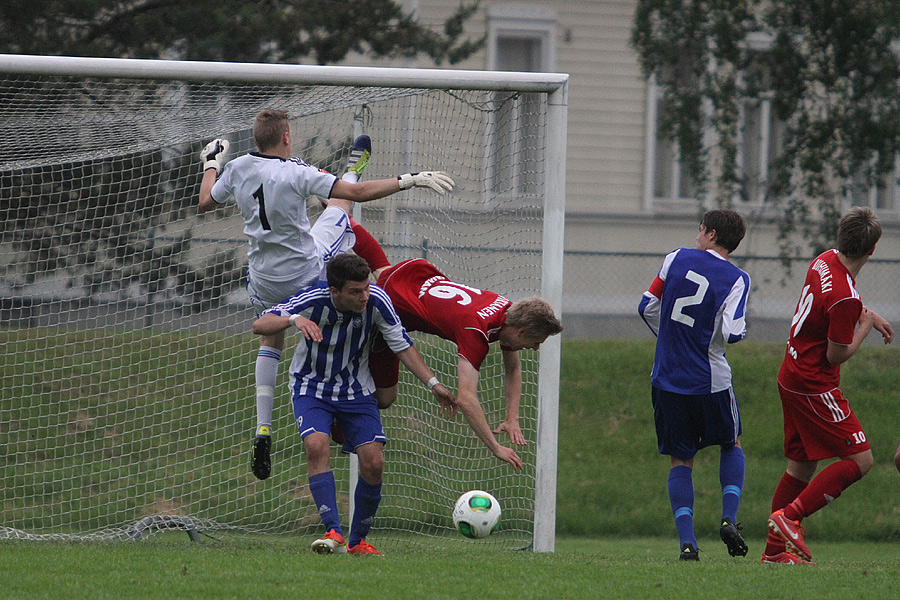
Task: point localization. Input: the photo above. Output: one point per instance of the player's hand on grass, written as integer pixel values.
(438, 181)
(213, 155)
(509, 455)
(514, 431)
(447, 400)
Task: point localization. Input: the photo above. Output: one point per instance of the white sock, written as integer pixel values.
(266, 373)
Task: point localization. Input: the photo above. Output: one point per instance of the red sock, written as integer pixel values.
(824, 488)
(786, 492)
(368, 247)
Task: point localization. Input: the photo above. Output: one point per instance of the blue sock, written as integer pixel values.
(731, 476)
(367, 499)
(681, 496)
(323, 491)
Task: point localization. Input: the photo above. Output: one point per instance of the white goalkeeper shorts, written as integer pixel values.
(333, 234)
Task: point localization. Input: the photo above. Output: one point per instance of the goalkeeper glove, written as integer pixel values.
(439, 181)
(213, 155)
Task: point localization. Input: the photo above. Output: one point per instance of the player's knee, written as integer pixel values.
(371, 467)
(865, 461)
(318, 449)
(273, 341)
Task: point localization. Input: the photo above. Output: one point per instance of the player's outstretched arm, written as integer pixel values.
(271, 324)
(467, 398)
(512, 388)
(416, 364)
(212, 158)
(366, 191)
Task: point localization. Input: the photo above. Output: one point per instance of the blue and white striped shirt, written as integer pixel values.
(337, 368)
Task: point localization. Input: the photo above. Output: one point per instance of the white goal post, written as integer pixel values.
(127, 398)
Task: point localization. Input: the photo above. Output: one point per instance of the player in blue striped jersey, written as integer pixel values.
(695, 306)
(330, 380)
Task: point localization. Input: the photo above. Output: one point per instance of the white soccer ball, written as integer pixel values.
(476, 514)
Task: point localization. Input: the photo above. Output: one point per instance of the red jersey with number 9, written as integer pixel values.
(829, 309)
(427, 301)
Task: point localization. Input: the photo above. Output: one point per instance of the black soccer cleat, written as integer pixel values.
(261, 460)
(689, 552)
(730, 534)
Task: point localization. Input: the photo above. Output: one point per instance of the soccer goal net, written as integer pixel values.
(127, 402)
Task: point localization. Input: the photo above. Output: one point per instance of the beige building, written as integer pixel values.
(624, 193)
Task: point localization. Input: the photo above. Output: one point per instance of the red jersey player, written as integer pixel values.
(828, 327)
(426, 300)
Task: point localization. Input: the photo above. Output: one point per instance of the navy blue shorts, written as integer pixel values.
(359, 419)
(686, 423)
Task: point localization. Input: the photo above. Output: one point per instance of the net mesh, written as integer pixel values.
(127, 396)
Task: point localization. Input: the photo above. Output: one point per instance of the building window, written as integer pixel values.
(521, 37)
(759, 140)
(666, 184)
(882, 194)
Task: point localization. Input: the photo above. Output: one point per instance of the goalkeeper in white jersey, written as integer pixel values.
(286, 252)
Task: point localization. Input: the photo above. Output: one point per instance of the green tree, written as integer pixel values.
(52, 214)
(230, 30)
(832, 69)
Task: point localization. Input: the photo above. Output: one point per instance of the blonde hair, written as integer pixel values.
(268, 127)
(535, 316)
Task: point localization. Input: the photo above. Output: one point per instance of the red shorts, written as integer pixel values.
(820, 426)
(383, 363)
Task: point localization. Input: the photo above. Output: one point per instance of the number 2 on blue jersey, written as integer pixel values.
(686, 301)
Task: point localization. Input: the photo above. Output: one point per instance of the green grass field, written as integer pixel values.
(168, 566)
(616, 536)
(612, 481)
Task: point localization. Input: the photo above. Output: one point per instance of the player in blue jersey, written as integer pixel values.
(330, 380)
(285, 252)
(695, 306)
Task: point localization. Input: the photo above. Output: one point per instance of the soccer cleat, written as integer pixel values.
(261, 460)
(785, 558)
(730, 534)
(689, 552)
(363, 547)
(791, 532)
(329, 543)
(359, 155)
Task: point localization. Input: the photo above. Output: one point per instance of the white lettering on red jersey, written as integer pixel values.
(428, 301)
(828, 309)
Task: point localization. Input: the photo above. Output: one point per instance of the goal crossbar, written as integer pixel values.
(76, 66)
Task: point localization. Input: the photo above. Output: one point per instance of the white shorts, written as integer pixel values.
(332, 234)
